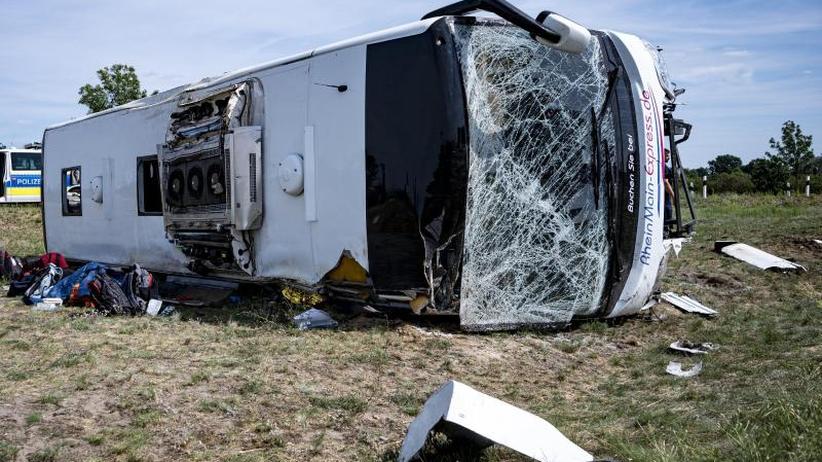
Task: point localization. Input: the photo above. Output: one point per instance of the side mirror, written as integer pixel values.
(574, 38)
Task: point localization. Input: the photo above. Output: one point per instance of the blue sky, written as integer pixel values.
(747, 65)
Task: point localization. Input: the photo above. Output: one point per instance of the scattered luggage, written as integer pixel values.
(44, 282)
(47, 283)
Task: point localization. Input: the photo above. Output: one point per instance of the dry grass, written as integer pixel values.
(240, 385)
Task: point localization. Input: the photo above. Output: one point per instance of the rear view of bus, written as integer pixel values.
(21, 172)
(549, 207)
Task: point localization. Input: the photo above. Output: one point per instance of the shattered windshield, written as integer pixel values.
(536, 247)
(661, 66)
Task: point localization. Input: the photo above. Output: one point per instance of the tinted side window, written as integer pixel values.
(72, 192)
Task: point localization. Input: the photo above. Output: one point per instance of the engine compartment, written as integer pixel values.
(210, 173)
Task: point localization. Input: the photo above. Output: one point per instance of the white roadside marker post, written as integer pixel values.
(704, 187)
(808, 186)
(788, 189)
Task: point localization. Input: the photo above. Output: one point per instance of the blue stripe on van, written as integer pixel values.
(24, 181)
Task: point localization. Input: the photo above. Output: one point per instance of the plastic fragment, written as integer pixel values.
(675, 368)
(314, 319)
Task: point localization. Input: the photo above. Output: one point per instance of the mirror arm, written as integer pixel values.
(504, 10)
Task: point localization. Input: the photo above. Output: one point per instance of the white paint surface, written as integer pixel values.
(648, 98)
(489, 418)
(759, 258)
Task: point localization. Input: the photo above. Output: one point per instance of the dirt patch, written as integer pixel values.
(717, 280)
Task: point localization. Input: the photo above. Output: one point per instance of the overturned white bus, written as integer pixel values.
(510, 170)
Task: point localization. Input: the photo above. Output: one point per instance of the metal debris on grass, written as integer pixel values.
(753, 256)
(458, 410)
(684, 346)
(158, 308)
(688, 304)
(314, 319)
(675, 368)
(675, 244)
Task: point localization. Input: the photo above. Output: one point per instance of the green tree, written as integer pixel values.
(816, 165)
(118, 85)
(725, 163)
(699, 171)
(794, 150)
(769, 174)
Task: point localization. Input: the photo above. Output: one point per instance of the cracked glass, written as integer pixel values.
(536, 239)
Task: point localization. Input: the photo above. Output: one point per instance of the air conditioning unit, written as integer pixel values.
(211, 171)
(245, 154)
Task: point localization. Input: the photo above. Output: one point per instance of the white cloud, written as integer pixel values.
(734, 73)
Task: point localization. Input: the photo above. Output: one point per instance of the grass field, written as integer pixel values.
(239, 384)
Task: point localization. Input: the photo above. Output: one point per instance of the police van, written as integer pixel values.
(21, 173)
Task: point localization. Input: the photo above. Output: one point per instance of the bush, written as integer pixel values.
(769, 175)
(734, 182)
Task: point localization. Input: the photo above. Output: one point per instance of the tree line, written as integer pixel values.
(789, 160)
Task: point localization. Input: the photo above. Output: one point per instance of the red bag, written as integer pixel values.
(55, 259)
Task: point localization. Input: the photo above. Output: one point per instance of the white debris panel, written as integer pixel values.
(759, 258)
(536, 246)
(685, 303)
(488, 420)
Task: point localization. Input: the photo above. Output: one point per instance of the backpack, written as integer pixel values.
(45, 280)
(110, 298)
(19, 286)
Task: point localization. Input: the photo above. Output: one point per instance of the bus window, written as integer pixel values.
(26, 161)
(72, 194)
(149, 195)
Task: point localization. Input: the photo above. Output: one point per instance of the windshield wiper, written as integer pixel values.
(595, 156)
(596, 128)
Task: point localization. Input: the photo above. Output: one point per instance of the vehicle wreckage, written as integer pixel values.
(508, 169)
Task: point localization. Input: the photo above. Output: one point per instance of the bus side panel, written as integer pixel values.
(304, 236)
(110, 232)
(282, 248)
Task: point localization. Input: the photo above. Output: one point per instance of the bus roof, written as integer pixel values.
(413, 28)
